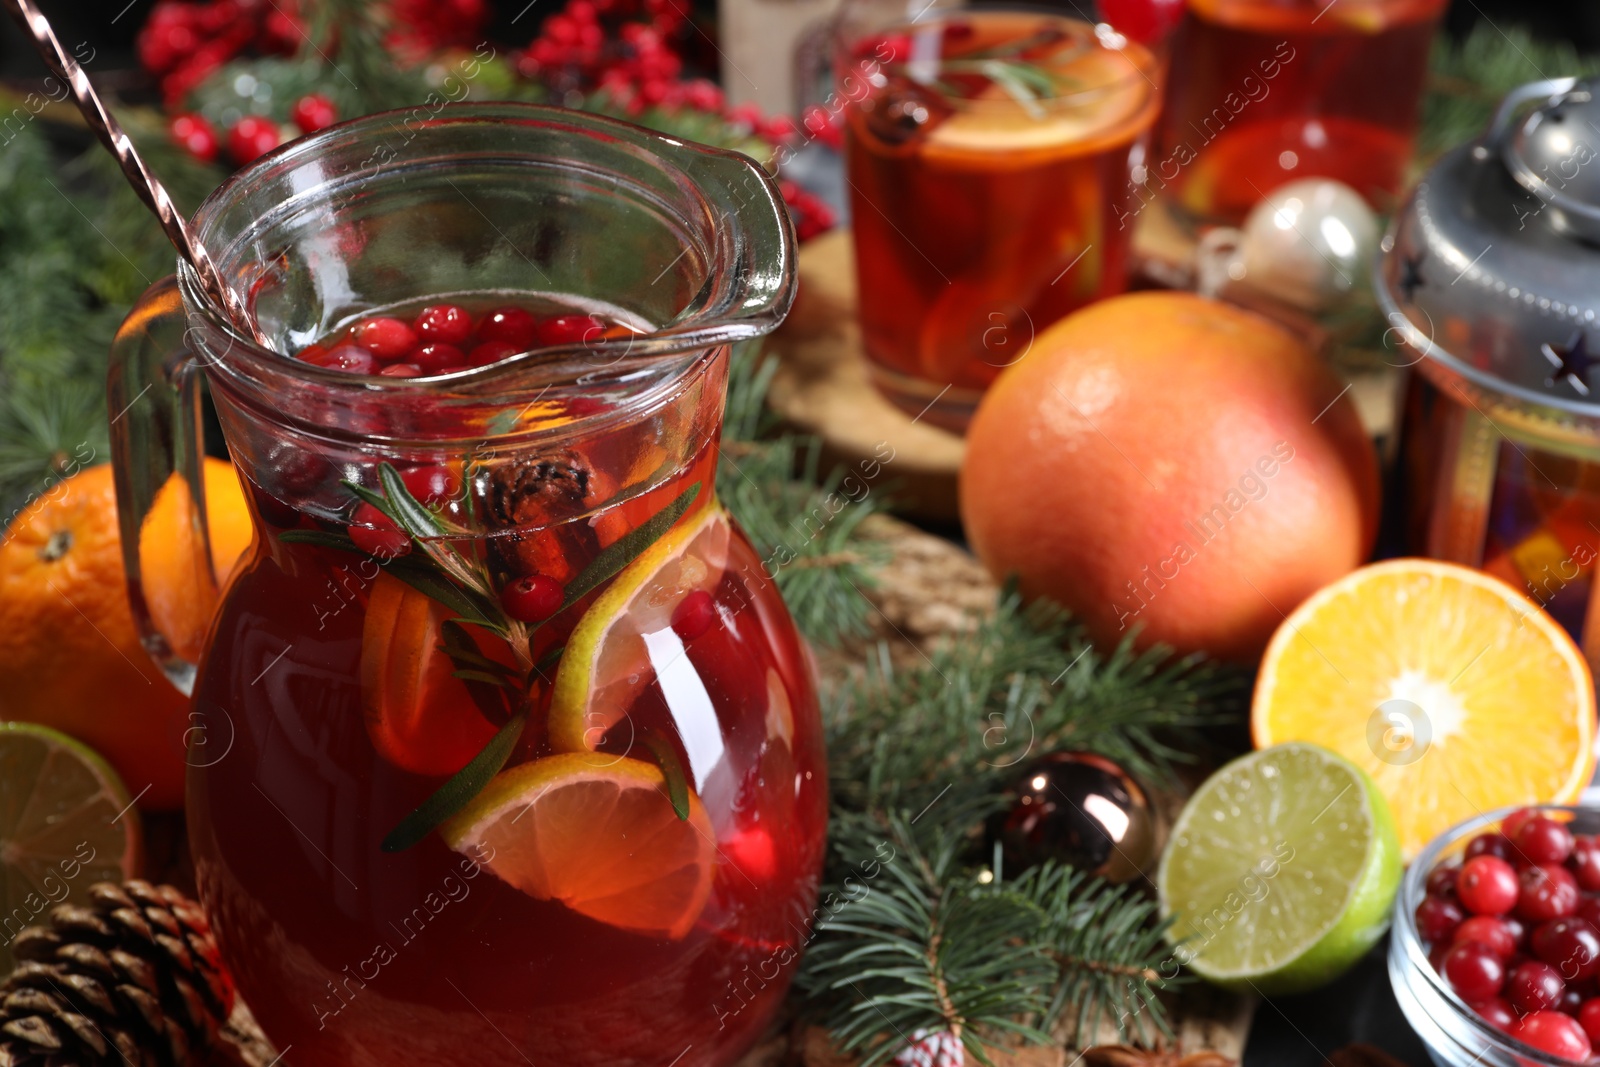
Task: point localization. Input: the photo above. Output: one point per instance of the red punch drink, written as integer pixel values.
(1264, 92)
(988, 159)
(504, 748)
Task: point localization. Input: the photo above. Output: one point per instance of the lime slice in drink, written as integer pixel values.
(66, 822)
(626, 637)
(597, 833)
(1280, 871)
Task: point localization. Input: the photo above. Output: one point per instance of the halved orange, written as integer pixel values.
(1455, 692)
(420, 717)
(596, 833)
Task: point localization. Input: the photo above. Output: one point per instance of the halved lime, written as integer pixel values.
(626, 638)
(66, 822)
(1280, 871)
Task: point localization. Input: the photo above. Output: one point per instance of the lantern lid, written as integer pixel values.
(1491, 272)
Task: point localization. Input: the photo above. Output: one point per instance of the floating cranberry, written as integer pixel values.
(1474, 971)
(1534, 987)
(433, 485)
(532, 598)
(1570, 945)
(347, 358)
(1589, 1019)
(376, 534)
(1491, 844)
(1442, 881)
(444, 322)
(510, 325)
(694, 615)
(570, 330)
(1497, 1013)
(388, 339)
(313, 112)
(1437, 919)
(1589, 910)
(1487, 885)
(195, 135)
(1548, 892)
(1544, 840)
(492, 352)
(401, 370)
(439, 358)
(1489, 931)
(1555, 1033)
(1584, 863)
(251, 138)
(1513, 822)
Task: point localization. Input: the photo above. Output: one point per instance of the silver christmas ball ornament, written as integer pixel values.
(1310, 243)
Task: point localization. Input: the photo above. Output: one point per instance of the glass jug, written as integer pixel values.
(503, 748)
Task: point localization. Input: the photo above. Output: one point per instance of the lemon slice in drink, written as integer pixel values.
(626, 636)
(1280, 871)
(598, 834)
(66, 822)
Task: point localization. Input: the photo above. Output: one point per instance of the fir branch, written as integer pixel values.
(804, 524)
(1025, 683)
(1466, 81)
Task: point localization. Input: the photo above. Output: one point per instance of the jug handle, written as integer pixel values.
(154, 386)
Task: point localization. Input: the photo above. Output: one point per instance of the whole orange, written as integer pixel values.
(70, 655)
(1174, 464)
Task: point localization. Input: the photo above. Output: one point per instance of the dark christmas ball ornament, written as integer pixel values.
(1081, 809)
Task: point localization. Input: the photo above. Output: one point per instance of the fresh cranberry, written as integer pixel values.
(196, 136)
(1497, 1013)
(510, 325)
(347, 358)
(1534, 986)
(1584, 863)
(1487, 885)
(1571, 1001)
(251, 138)
(1513, 822)
(694, 615)
(1514, 925)
(433, 485)
(1442, 881)
(444, 322)
(1555, 1033)
(570, 329)
(1589, 910)
(1544, 840)
(1589, 1019)
(401, 370)
(1436, 956)
(1474, 971)
(439, 358)
(1571, 946)
(532, 598)
(313, 112)
(388, 339)
(376, 534)
(1437, 919)
(491, 352)
(1491, 844)
(1489, 931)
(1547, 893)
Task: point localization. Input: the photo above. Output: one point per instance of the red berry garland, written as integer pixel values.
(196, 136)
(313, 112)
(251, 138)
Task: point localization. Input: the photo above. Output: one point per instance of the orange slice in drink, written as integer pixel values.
(419, 716)
(596, 833)
(1455, 692)
(626, 639)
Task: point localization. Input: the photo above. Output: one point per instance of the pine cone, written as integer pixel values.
(133, 978)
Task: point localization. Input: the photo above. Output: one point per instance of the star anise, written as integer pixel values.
(530, 502)
(1124, 1056)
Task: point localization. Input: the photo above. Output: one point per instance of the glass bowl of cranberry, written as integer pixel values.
(1495, 953)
